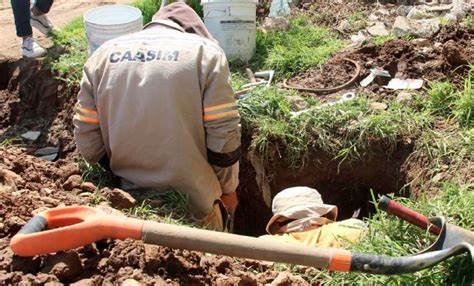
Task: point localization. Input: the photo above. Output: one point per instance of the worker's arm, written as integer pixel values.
(222, 124)
(86, 122)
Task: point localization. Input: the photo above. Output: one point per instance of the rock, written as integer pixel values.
(118, 198)
(419, 28)
(297, 102)
(10, 178)
(459, 10)
(53, 283)
(131, 282)
(152, 257)
(74, 181)
(275, 24)
(31, 135)
(426, 28)
(47, 153)
(421, 42)
(14, 223)
(48, 191)
(378, 29)
(403, 10)
(404, 97)
(88, 187)
(288, 279)
(68, 170)
(39, 210)
(378, 106)
(84, 282)
(401, 26)
(373, 18)
(343, 26)
(64, 265)
(420, 12)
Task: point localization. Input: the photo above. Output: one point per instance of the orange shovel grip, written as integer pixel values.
(71, 227)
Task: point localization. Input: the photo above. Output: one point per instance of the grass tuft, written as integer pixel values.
(301, 47)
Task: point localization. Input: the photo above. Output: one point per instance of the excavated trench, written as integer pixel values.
(347, 185)
(32, 99)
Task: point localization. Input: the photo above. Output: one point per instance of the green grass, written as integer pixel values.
(380, 40)
(68, 65)
(357, 21)
(390, 236)
(301, 47)
(345, 130)
(445, 99)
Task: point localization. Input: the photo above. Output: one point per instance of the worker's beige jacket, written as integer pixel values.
(158, 103)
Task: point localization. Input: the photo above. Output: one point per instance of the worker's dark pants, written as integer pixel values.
(21, 13)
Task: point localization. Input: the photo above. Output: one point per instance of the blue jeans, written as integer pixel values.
(21, 13)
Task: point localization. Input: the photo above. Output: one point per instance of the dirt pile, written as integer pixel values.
(443, 57)
(32, 99)
(28, 185)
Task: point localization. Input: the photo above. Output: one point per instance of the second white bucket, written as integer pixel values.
(110, 21)
(233, 24)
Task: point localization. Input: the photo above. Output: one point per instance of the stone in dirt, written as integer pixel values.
(68, 170)
(31, 135)
(401, 27)
(288, 279)
(118, 198)
(88, 187)
(131, 282)
(10, 178)
(421, 42)
(74, 181)
(420, 12)
(378, 29)
(404, 97)
(378, 106)
(64, 265)
(275, 24)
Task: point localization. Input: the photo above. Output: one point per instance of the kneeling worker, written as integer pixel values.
(300, 216)
(157, 106)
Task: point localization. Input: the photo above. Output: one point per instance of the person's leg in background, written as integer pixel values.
(39, 20)
(23, 18)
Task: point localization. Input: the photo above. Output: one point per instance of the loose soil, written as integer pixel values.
(29, 185)
(446, 56)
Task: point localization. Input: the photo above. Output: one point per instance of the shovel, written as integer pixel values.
(71, 227)
(449, 235)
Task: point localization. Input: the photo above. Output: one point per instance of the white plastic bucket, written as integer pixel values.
(110, 21)
(233, 24)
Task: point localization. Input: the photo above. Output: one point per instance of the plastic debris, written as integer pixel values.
(31, 135)
(345, 97)
(373, 74)
(397, 83)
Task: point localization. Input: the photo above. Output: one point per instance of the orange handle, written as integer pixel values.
(71, 227)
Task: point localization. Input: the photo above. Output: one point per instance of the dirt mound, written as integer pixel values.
(31, 98)
(443, 57)
(29, 185)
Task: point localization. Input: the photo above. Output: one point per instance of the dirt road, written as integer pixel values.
(62, 12)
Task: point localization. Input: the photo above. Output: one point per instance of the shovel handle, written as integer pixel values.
(408, 215)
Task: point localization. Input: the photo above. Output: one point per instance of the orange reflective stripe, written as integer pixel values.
(220, 106)
(86, 119)
(341, 261)
(210, 117)
(87, 111)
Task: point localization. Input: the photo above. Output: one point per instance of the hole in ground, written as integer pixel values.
(5, 74)
(347, 186)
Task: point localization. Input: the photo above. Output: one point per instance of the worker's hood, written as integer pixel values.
(184, 16)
